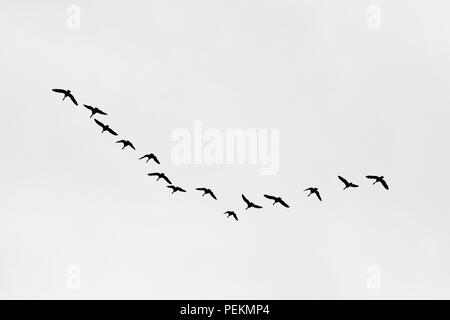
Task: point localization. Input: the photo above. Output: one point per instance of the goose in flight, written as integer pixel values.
(105, 128)
(149, 157)
(67, 93)
(175, 189)
(231, 214)
(250, 204)
(94, 110)
(277, 200)
(207, 191)
(160, 176)
(348, 184)
(315, 191)
(379, 179)
(126, 143)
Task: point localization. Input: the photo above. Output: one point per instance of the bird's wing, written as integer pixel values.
(99, 123)
(88, 107)
(318, 195)
(354, 185)
(201, 189)
(171, 187)
(112, 132)
(309, 189)
(142, 157)
(269, 197)
(73, 99)
(384, 184)
(156, 159)
(59, 90)
(284, 204)
(167, 179)
(153, 174)
(121, 141)
(371, 177)
(235, 216)
(132, 146)
(343, 180)
(213, 195)
(256, 206)
(245, 200)
(181, 189)
(101, 112)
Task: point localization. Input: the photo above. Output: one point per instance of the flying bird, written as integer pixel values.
(207, 191)
(379, 179)
(348, 184)
(315, 191)
(250, 204)
(160, 176)
(67, 93)
(105, 128)
(277, 200)
(232, 214)
(126, 143)
(175, 189)
(94, 110)
(149, 157)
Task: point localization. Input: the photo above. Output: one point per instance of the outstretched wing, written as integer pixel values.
(121, 141)
(371, 177)
(269, 197)
(112, 132)
(201, 189)
(59, 90)
(99, 123)
(101, 112)
(156, 159)
(73, 99)
(318, 195)
(181, 189)
(171, 187)
(384, 184)
(284, 204)
(132, 146)
(88, 107)
(212, 195)
(153, 174)
(256, 206)
(234, 216)
(143, 157)
(343, 180)
(245, 200)
(167, 179)
(309, 189)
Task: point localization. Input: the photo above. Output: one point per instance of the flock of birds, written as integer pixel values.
(206, 191)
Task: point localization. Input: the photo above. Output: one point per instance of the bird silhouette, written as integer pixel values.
(232, 214)
(348, 184)
(67, 93)
(94, 110)
(149, 157)
(250, 204)
(315, 191)
(277, 200)
(126, 143)
(175, 189)
(160, 176)
(105, 128)
(379, 179)
(207, 191)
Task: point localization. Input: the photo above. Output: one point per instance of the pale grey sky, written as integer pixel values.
(347, 100)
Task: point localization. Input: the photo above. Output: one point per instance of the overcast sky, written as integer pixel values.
(347, 99)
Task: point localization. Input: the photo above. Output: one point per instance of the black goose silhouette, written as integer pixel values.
(94, 110)
(105, 128)
(315, 191)
(277, 200)
(250, 204)
(207, 191)
(348, 184)
(160, 176)
(379, 179)
(126, 143)
(232, 214)
(149, 157)
(67, 93)
(175, 189)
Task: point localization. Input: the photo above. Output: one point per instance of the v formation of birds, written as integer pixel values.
(206, 191)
